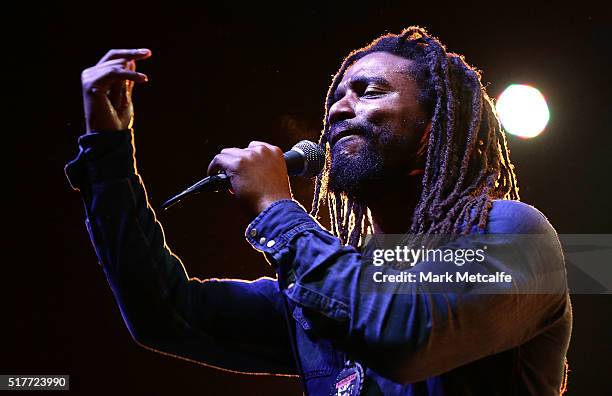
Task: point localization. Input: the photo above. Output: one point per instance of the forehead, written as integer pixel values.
(378, 64)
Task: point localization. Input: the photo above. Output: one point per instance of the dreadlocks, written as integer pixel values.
(467, 162)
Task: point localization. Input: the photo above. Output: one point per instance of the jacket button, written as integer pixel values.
(262, 240)
(270, 243)
(253, 232)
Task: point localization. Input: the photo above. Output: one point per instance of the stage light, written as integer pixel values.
(522, 110)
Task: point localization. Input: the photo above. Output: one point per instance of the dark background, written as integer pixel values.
(224, 75)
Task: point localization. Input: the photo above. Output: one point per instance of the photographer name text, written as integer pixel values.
(447, 277)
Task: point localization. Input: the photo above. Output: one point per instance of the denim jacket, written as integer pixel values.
(312, 318)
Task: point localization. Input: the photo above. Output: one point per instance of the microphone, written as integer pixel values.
(305, 159)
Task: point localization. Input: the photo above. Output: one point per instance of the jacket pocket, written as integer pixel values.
(317, 354)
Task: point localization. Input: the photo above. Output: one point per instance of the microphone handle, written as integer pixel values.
(294, 159)
(211, 183)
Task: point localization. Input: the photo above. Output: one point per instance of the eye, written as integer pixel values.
(372, 91)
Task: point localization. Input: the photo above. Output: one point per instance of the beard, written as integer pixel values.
(374, 162)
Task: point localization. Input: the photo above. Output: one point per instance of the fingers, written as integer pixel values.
(116, 72)
(256, 143)
(130, 54)
(126, 63)
(114, 62)
(231, 159)
(232, 151)
(261, 147)
(98, 80)
(221, 163)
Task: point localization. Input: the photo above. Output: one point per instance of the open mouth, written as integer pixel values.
(343, 135)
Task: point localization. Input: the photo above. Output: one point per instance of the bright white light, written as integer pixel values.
(522, 110)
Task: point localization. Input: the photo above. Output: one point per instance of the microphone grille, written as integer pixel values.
(314, 157)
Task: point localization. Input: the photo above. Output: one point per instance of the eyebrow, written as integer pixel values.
(364, 80)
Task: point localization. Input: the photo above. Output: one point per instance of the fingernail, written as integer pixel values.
(143, 51)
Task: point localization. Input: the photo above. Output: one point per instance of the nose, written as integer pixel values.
(343, 109)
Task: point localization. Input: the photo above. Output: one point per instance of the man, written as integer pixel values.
(413, 146)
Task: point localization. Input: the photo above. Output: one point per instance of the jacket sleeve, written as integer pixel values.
(401, 330)
(231, 324)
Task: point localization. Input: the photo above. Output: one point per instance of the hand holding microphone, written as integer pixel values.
(258, 173)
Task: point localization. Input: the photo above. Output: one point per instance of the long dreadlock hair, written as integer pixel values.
(467, 162)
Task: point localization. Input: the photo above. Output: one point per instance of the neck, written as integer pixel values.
(392, 208)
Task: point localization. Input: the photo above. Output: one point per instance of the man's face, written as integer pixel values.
(375, 126)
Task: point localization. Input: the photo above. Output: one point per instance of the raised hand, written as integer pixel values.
(107, 90)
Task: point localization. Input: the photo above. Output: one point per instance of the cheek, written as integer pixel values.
(380, 114)
(400, 118)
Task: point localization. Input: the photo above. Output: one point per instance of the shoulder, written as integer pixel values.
(538, 256)
(515, 217)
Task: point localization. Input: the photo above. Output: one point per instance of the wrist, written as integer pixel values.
(105, 128)
(264, 203)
